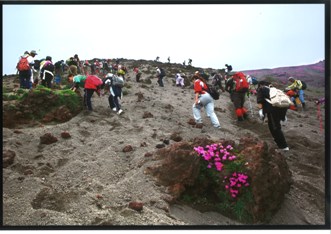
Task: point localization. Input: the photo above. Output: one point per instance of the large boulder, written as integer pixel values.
(270, 176)
(177, 167)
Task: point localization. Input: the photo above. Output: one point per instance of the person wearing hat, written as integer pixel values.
(31, 59)
(296, 86)
(275, 115)
(203, 99)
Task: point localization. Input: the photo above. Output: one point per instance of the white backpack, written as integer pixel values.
(278, 98)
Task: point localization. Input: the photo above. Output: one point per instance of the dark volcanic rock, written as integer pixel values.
(8, 157)
(48, 139)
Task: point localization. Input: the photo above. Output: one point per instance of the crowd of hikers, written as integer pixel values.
(94, 76)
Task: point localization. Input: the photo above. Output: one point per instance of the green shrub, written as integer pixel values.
(9, 97)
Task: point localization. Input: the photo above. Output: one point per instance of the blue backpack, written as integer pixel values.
(254, 81)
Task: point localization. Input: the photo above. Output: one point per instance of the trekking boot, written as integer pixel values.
(245, 116)
(240, 119)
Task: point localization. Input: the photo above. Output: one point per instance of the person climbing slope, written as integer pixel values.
(203, 99)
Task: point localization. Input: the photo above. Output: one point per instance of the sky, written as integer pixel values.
(246, 36)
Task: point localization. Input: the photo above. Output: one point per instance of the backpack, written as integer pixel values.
(304, 85)
(278, 98)
(214, 93)
(23, 64)
(162, 72)
(241, 82)
(118, 81)
(254, 81)
(48, 67)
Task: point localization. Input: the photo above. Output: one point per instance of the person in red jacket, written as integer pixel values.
(92, 83)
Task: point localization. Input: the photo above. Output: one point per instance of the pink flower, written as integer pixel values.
(219, 166)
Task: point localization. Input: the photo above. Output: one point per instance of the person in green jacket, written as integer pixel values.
(78, 81)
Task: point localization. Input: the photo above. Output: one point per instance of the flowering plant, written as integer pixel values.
(219, 156)
(222, 184)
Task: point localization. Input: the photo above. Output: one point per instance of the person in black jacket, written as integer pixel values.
(274, 114)
(47, 72)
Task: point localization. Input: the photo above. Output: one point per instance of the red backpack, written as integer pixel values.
(241, 82)
(23, 64)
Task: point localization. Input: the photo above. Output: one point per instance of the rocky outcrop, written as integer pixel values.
(270, 176)
(60, 114)
(178, 165)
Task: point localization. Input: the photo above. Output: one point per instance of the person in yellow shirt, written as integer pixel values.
(296, 85)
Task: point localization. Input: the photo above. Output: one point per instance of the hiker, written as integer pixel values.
(179, 80)
(58, 72)
(77, 60)
(24, 69)
(121, 71)
(105, 67)
(228, 69)
(217, 81)
(203, 99)
(160, 74)
(184, 63)
(189, 62)
(138, 73)
(115, 91)
(237, 86)
(92, 84)
(73, 66)
(33, 54)
(96, 67)
(77, 80)
(169, 59)
(47, 72)
(297, 86)
(275, 115)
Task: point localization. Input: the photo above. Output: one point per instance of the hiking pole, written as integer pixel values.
(250, 105)
(319, 115)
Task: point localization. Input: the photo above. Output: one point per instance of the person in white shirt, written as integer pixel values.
(179, 80)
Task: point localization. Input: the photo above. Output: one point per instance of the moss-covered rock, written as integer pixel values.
(42, 104)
